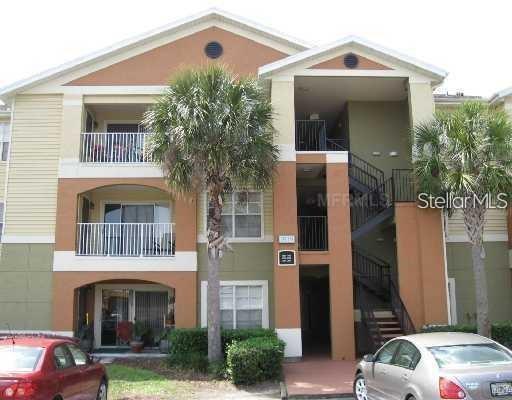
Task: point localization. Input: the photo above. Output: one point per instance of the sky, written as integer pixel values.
(469, 39)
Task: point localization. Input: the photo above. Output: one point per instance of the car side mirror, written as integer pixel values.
(369, 358)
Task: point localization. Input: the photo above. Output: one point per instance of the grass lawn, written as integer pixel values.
(146, 379)
(134, 383)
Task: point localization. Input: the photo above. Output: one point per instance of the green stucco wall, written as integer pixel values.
(26, 286)
(247, 261)
(499, 279)
(382, 127)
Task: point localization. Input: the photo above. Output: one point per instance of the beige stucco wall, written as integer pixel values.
(380, 127)
(282, 93)
(33, 169)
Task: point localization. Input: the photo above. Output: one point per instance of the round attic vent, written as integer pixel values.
(350, 61)
(213, 50)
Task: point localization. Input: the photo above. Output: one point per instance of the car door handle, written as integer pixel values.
(405, 377)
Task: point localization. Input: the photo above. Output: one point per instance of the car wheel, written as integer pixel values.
(360, 388)
(102, 391)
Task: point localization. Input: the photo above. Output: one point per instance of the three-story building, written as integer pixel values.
(93, 235)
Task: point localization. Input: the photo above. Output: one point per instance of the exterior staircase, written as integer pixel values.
(383, 312)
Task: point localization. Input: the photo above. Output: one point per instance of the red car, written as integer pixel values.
(44, 368)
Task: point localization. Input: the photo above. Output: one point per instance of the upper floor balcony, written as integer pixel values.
(114, 147)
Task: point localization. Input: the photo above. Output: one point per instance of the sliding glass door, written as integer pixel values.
(136, 229)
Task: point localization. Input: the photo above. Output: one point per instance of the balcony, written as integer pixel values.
(311, 135)
(125, 239)
(114, 147)
(313, 233)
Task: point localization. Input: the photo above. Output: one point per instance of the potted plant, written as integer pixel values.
(86, 336)
(137, 344)
(163, 342)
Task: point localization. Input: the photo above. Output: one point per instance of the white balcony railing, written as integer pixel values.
(125, 239)
(106, 147)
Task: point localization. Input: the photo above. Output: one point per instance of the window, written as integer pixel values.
(407, 356)
(470, 354)
(385, 355)
(5, 138)
(241, 214)
(243, 304)
(62, 357)
(78, 355)
(19, 358)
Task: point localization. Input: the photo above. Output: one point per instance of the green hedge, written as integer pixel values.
(501, 332)
(189, 347)
(255, 360)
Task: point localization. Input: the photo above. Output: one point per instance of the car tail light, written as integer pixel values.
(21, 390)
(450, 390)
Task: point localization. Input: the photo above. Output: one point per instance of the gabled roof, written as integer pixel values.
(500, 95)
(315, 52)
(212, 14)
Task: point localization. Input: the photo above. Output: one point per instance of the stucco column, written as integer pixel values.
(340, 255)
(421, 263)
(72, 117)
(286, 278)
(421, 101)
(185, 211)
(67, 213)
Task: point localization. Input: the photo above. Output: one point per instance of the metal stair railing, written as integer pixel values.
(375, 271)
(400, 310)
(368, 318)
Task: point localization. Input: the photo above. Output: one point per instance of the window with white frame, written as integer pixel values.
(5, 139)
(243, 304)
(242, 214)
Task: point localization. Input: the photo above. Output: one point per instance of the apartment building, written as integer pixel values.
(337, 257)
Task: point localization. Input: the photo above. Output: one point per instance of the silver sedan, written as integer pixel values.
(432, 366)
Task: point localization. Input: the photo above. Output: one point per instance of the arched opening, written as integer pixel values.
(102, 308)
(125, 221)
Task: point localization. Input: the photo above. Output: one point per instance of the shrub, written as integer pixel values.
(196, 339)
(255, 360)
(194, 361)
(500, 332)
(218, 370)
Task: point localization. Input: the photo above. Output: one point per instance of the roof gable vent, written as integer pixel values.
(213, 50)
(351, 61)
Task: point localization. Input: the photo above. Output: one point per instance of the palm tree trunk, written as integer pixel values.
(474, 218)
(215, 241)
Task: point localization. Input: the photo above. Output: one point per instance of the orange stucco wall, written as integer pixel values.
(67, 209)
(156, 66)
(65, 283)
(337, 63)
(340, 263)
(421, 263)
(286, 279)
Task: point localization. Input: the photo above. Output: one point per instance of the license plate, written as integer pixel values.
(501, 389)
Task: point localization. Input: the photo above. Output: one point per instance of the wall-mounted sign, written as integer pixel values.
(286, 257)
(287, 239)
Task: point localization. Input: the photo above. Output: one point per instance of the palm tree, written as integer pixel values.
(213, 132)
(468, 154)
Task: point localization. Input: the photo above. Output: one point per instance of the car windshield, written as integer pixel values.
(470, 354)
(19, 358)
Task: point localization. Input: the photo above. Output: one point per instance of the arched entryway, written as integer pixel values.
(96, 303)
(103, 307)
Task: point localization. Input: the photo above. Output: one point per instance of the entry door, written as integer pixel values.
(151, 308)
(115, 309)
